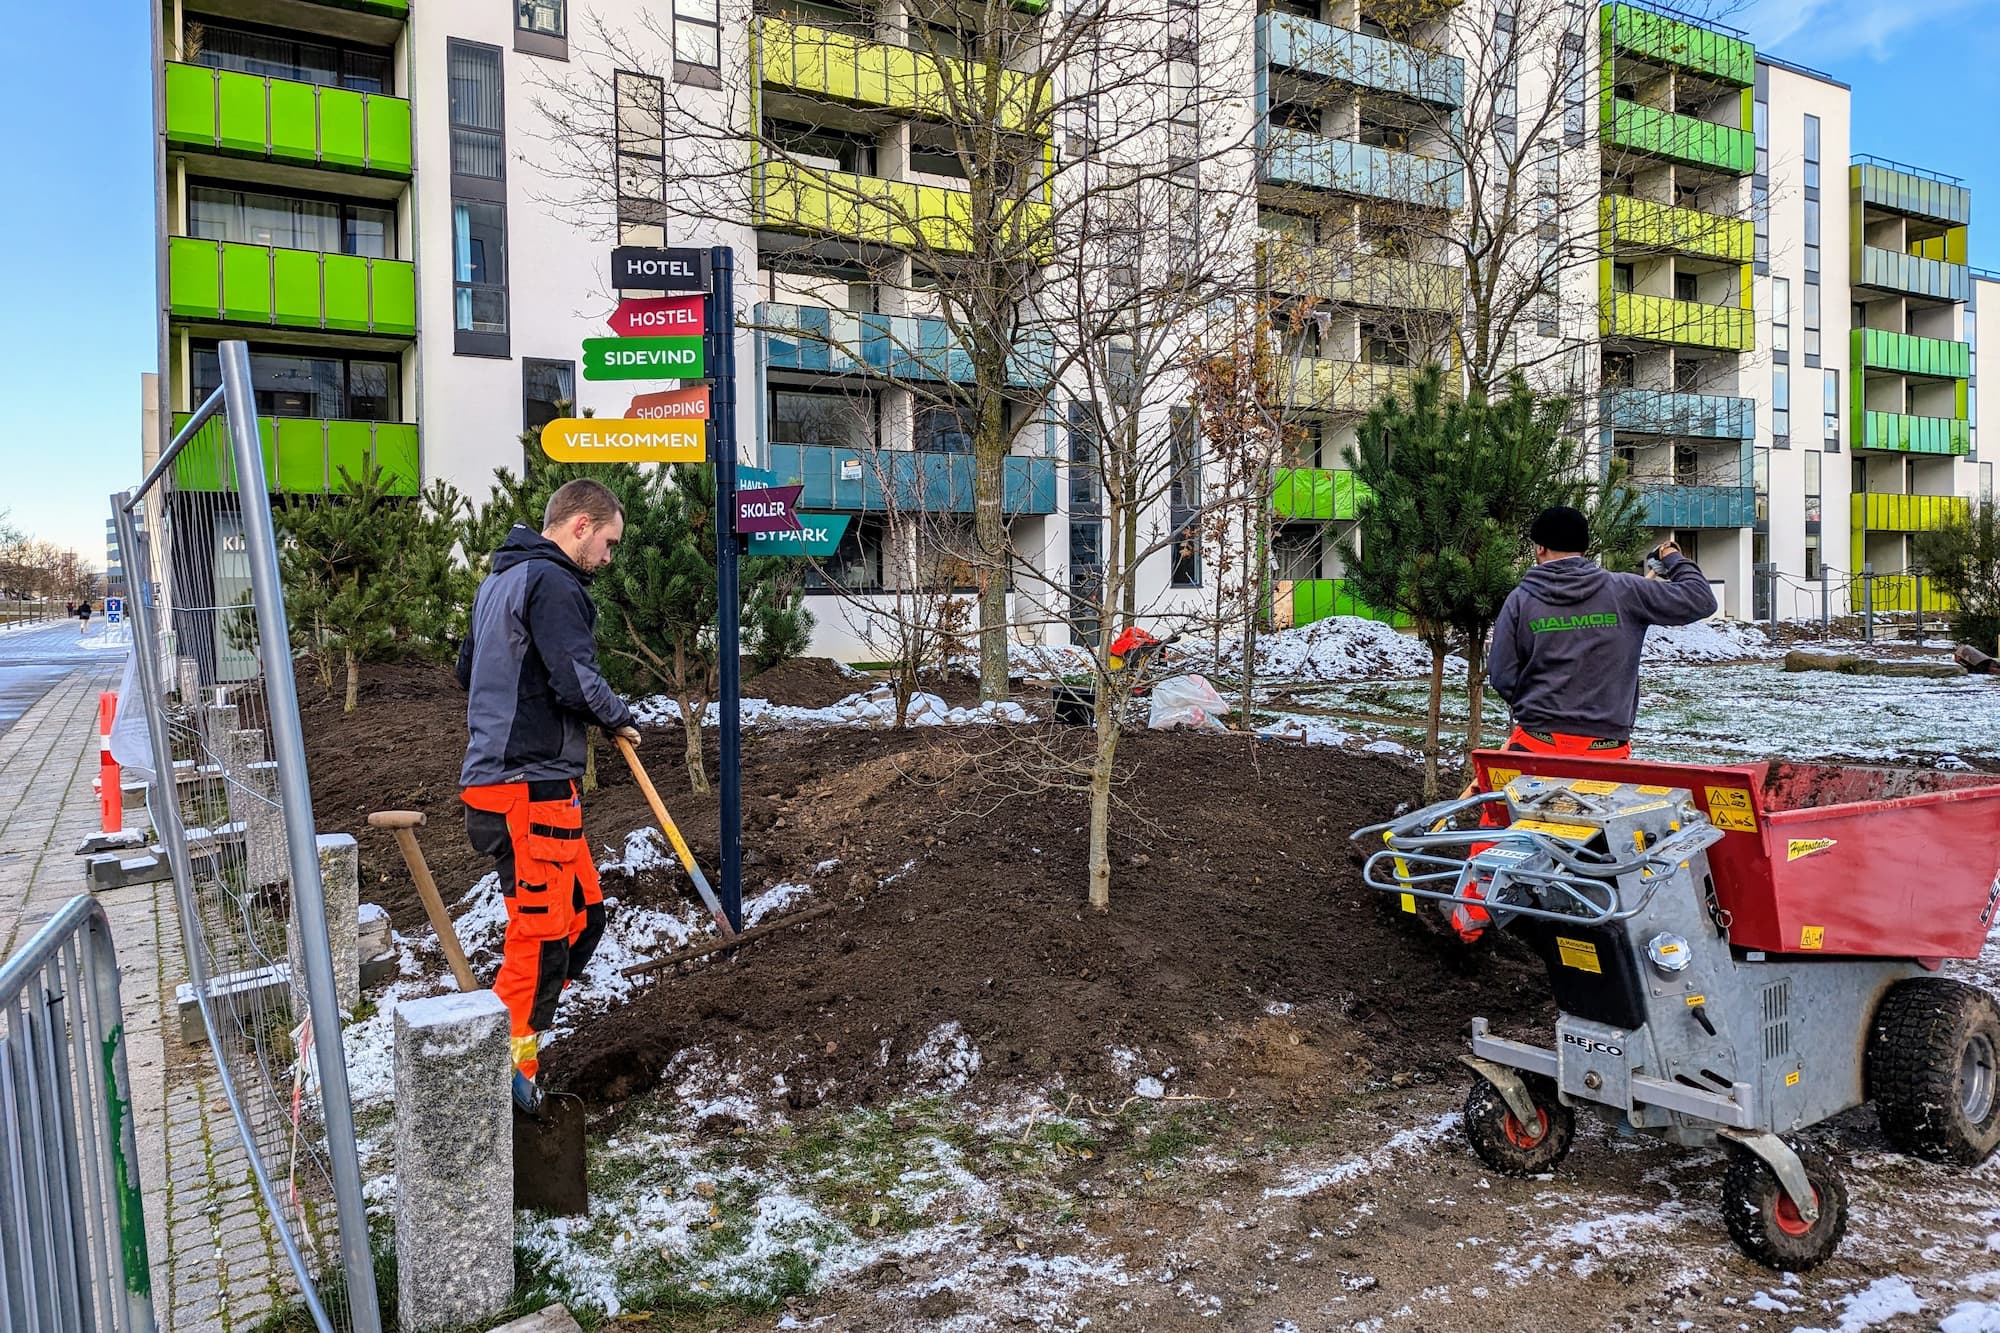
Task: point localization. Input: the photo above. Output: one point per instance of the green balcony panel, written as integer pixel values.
(1723, 328)
(1307, 46)
(1915, 435)
(305, 455)
(1321, 599)
(284, 120)
(1914, 275)
(1315, 493)
(1906, 354)
(821, 63)
(1878, 512)
(294, 289)
(1667, 41)
(1684, 139)
(1657, 227)
(1909, 193)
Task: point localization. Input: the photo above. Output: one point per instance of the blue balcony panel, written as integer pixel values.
(931, 483)
(1653, 412)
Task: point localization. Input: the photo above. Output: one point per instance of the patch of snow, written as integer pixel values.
(1339, 648)
(1298, 1183)
(645, 850)
(946, 1058)
(1307, 730)
(873, 708)
(1971, 1317)
(1150, 1087)
(774, 899)
(1708, 641)
(1876, 1304)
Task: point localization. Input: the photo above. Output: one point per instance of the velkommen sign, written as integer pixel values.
(609, 440)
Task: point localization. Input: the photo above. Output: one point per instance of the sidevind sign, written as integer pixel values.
(643, 359)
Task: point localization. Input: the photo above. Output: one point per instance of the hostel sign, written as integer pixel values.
(643, 359)
(674, 316)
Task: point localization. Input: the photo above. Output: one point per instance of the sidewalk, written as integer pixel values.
(216, 1264)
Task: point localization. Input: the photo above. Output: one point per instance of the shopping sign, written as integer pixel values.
(670, 405)
(645, 269)
(769, 509)
(610, 440)
(643, 359)
(679, 316)
(818, 535)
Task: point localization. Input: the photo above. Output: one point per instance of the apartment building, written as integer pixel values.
(408, 209)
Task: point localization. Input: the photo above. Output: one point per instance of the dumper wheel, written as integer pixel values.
(1766, 1224)
(1504, 1143)
(1934, 1070)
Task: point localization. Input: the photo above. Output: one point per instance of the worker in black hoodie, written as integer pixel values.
(1566, 647)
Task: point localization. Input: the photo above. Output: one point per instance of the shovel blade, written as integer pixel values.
(548, 1159)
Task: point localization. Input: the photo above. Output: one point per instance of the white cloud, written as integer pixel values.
(1821, 30)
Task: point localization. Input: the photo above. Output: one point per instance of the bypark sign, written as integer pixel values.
(643, 359)
(817, 535)
(610, 440)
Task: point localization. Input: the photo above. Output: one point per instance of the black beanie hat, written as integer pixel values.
(1561, 529)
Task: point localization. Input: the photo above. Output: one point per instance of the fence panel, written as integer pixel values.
(233, 811)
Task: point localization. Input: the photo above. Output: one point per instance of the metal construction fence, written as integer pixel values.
(72, 1228)
(231, 807)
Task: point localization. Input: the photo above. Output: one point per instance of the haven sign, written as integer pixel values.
(610, 440)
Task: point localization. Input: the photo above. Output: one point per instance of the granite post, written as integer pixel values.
(454, 1161)
(251, 782)
(340, 877)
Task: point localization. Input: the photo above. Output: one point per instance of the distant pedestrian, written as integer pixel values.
(69, 610)
(82, 618)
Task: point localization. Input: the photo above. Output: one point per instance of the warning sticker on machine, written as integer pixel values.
(1592, 787)
(1729, 808)
(1652, 791)
(1812, 937)
(1573, 832)
(1500, 777)
(1579, 954)
(1798, 847)
(1792, 1079)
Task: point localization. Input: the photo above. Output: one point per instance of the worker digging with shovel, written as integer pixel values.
(529, 667)
(1566, 648)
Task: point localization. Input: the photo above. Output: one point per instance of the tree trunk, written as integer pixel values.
(1253, 576)
(1475, 693)
(353, 682)
(1431, 741)
(1100, 800)
(691, 728)
(989, 525)
(589, 763)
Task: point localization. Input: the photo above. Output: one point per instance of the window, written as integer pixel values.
(1830, 430)
(248, 50)
(1812, 323)
(478, 147)
(548, 391)
(1621, 277)
(856, 564)
(1812, 240)
(1812, 154)
(1814, 569)
(944, 429)
(827, 150)
(1813, 462)
(326, 386)
(697, 35)
(831, 419)
(641, 134)
(1781, 315)
(1781, 403)
(478, 203)
(1084, 495)
(1574, 71)
(541, 28)
(291, 222)
(1686, 288)
(1184, 498)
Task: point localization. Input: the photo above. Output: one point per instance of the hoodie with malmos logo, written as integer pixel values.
(1566, 648)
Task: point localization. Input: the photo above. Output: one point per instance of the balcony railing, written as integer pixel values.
(1320, 599)
(1910, 193)
(283, 120)
(1320, 384)
(843, 342)
(1654, 412)
(1877, 512)
(1377, 64)
(1654, 36)
(1313, 161)
(1367, 280)
(1687, 140)
(816, 202)
(1891, 270)
(841, 480)
(1670, 506)
(861, 72)
(292, 289)
(1315, 493)
(307, 455)
(1724, 328)
(1915, 435)
(1907, 354)
(1652, 226)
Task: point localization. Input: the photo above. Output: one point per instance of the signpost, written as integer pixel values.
(721, 316)
(678, 316)
(114, 610)
(611, 440)
(817, 535)
(768, 509)
(670, 405)
(641, 268)
(643, 359)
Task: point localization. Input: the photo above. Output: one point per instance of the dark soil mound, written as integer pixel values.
(803, 682)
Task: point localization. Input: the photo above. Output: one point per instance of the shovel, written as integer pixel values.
(673, 833)
(548, 1153)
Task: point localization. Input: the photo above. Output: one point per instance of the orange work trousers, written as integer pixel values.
(555, 906)
(1469, 921)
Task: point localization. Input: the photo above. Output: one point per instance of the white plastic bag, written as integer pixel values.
(131, 741)
(1186, 701)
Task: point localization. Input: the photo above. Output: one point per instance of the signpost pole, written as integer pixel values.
(721, 359)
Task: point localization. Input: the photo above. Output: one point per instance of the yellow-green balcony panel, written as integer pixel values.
(821, 63)
(1365, 280)
(1907, 354)
(307, 456)
(1661, 319)
(1687, 140)
(284, 120)
(1646, 225)
(1653, 36)
(1878, 512)
(1321, 384)
(811, 201)
(290, 289)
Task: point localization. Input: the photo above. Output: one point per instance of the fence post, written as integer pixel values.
(1825, 605)
(1867, 601)
(1917, 577)
(308, 897)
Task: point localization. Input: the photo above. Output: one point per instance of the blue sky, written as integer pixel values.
(76, 249)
